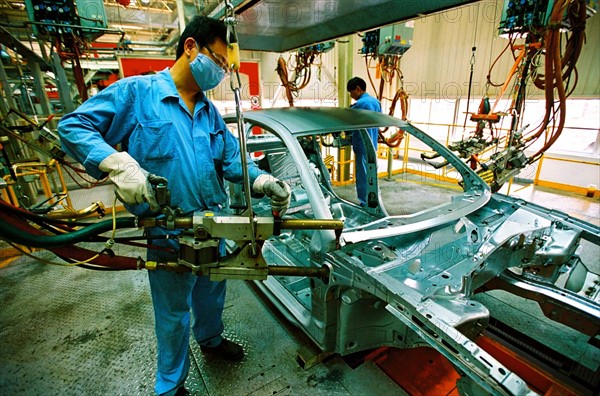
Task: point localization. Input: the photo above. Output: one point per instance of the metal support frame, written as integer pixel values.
(6, 86)
(181, 15)
(62, 83)
(345, 69)
(40, 91)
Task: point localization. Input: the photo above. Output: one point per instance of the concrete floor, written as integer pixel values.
(72, 331)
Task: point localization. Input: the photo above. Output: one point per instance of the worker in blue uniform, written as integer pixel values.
(357, 88)
(166, 126)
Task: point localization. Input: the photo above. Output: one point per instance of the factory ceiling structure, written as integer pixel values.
(279, 25)
(270, 25)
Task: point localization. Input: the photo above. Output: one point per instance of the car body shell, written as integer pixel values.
(407, 280)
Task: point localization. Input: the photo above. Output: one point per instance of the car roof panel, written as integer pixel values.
(301, 120)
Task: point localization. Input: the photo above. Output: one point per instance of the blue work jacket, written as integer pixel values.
(147, 117)
(366, 102)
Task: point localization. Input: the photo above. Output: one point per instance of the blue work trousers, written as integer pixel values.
(360, 159)
(173, 295)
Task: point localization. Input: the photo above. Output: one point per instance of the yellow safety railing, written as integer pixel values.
(445, 172)
(40, 170)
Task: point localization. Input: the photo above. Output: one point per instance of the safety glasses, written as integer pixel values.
(219, 60)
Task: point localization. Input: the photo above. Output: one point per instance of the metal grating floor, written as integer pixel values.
(72, 331)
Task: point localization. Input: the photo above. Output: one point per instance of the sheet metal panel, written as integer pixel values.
(281, 25)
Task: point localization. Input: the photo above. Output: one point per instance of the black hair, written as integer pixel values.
(356, 82)
(204, 30)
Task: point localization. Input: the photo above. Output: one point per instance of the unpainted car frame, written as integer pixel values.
(406, 281)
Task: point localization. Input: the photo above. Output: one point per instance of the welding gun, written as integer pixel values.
(203, 231)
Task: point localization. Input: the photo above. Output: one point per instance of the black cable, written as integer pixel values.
(21, 237)
(39, 220)
(51, 228)
(472, 61)
(129, 241)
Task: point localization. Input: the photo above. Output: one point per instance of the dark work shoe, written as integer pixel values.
(225, 350)
(182, 392)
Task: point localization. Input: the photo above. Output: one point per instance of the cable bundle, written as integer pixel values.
(559, 67)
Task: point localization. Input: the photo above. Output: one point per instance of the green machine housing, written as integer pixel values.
(52, 18)
(396, 39)
(524, 16)
(521, 16)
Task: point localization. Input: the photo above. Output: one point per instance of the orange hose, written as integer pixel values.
(554, 77)
(283, 76)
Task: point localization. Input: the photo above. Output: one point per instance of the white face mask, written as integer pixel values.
(206, 72)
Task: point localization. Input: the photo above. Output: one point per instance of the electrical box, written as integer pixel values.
(58, 17)
(91, 15)
(396, 39)
(370, 43)
(522, 16)
(318, 48)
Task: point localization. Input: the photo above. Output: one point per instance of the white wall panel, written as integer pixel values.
(438, 64)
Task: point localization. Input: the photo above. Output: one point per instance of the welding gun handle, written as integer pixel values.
(161, 191)
(276, 223)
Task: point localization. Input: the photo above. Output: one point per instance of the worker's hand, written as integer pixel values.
(131, 181)
(278, 191)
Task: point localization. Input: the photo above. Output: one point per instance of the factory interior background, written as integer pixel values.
(473, 75)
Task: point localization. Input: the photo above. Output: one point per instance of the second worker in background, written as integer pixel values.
(357, 88)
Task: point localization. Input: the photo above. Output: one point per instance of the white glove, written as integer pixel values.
(278, 191)
(131, 181)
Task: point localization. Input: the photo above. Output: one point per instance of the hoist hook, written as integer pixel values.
(233, 48)
(233, 54)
